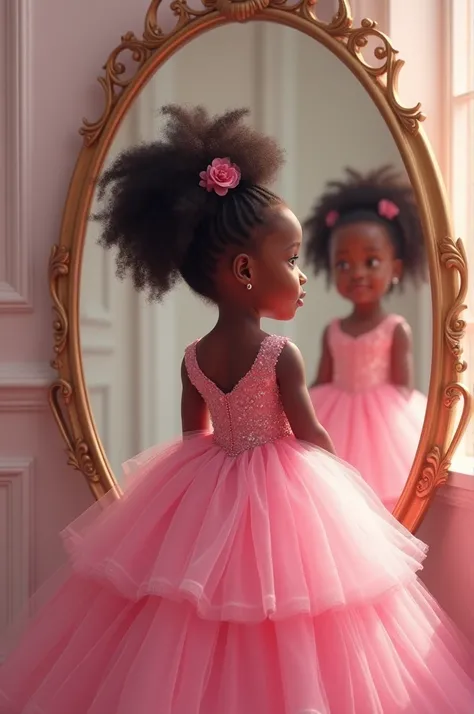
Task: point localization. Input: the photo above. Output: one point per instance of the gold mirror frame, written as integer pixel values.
(447, 260)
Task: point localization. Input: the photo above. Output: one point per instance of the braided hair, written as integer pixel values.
(357, 199)
(165, 226)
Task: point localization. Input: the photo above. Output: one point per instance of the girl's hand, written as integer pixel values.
(194, 412)
(402, 358)
(296, 400)
(325, 369)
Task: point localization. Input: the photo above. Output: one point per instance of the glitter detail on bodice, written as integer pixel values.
(363, 362)
(252, 413)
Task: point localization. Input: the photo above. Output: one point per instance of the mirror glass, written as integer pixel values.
(300, 93)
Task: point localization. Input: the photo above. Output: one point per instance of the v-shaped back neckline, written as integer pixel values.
(241, 380)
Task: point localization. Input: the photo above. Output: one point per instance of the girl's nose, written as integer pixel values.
(303, 278)
(358, 272)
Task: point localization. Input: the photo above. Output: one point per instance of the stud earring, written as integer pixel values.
(249, 286)
(395, 281)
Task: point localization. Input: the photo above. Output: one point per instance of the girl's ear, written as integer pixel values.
(242, 268)
(397, 269)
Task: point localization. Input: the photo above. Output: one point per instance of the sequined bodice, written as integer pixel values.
(252, 413)
(364, 362)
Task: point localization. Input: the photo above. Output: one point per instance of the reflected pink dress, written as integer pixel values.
(243, 572)
(374, 426)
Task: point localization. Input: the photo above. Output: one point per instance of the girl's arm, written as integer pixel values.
(325, 369)
(296, 400)
(194, 412)
(402, 357)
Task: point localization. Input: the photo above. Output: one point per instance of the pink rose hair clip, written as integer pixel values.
(220, 176)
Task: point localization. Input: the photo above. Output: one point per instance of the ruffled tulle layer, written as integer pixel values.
(91, 651)
(281, 530)
(377, 431)
(270, 583)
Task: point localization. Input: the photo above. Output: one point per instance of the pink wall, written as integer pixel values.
(55, 50)
(60, 52)
(449, 570)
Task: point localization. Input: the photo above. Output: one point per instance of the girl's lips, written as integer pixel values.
(300, 301)
(359, 288)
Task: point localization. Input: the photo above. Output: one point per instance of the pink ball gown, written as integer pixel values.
(374, 426)
(243, 572)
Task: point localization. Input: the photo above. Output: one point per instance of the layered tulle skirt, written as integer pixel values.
(274, 582)
(377, 431)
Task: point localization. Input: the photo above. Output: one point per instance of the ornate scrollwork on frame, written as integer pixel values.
(453, 256)
(434, 473)
(77, 450)
(115, 79)
(357, 39)
(127, 69)
(436, 469)
(437, 464)
(58, 268)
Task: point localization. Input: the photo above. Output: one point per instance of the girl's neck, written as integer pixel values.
(235, 321)
(366, 313)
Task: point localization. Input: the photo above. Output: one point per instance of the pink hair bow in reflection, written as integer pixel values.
(331, 219)
(388, 209)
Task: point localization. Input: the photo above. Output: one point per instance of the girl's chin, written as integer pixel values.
(361, 300)
(362, 296)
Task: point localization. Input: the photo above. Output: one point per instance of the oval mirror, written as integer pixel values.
(119, 356)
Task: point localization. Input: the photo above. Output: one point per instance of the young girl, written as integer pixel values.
(366, 235)
(246, 570)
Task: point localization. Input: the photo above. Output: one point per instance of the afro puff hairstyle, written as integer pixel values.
(356, 199)
(163, 224)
